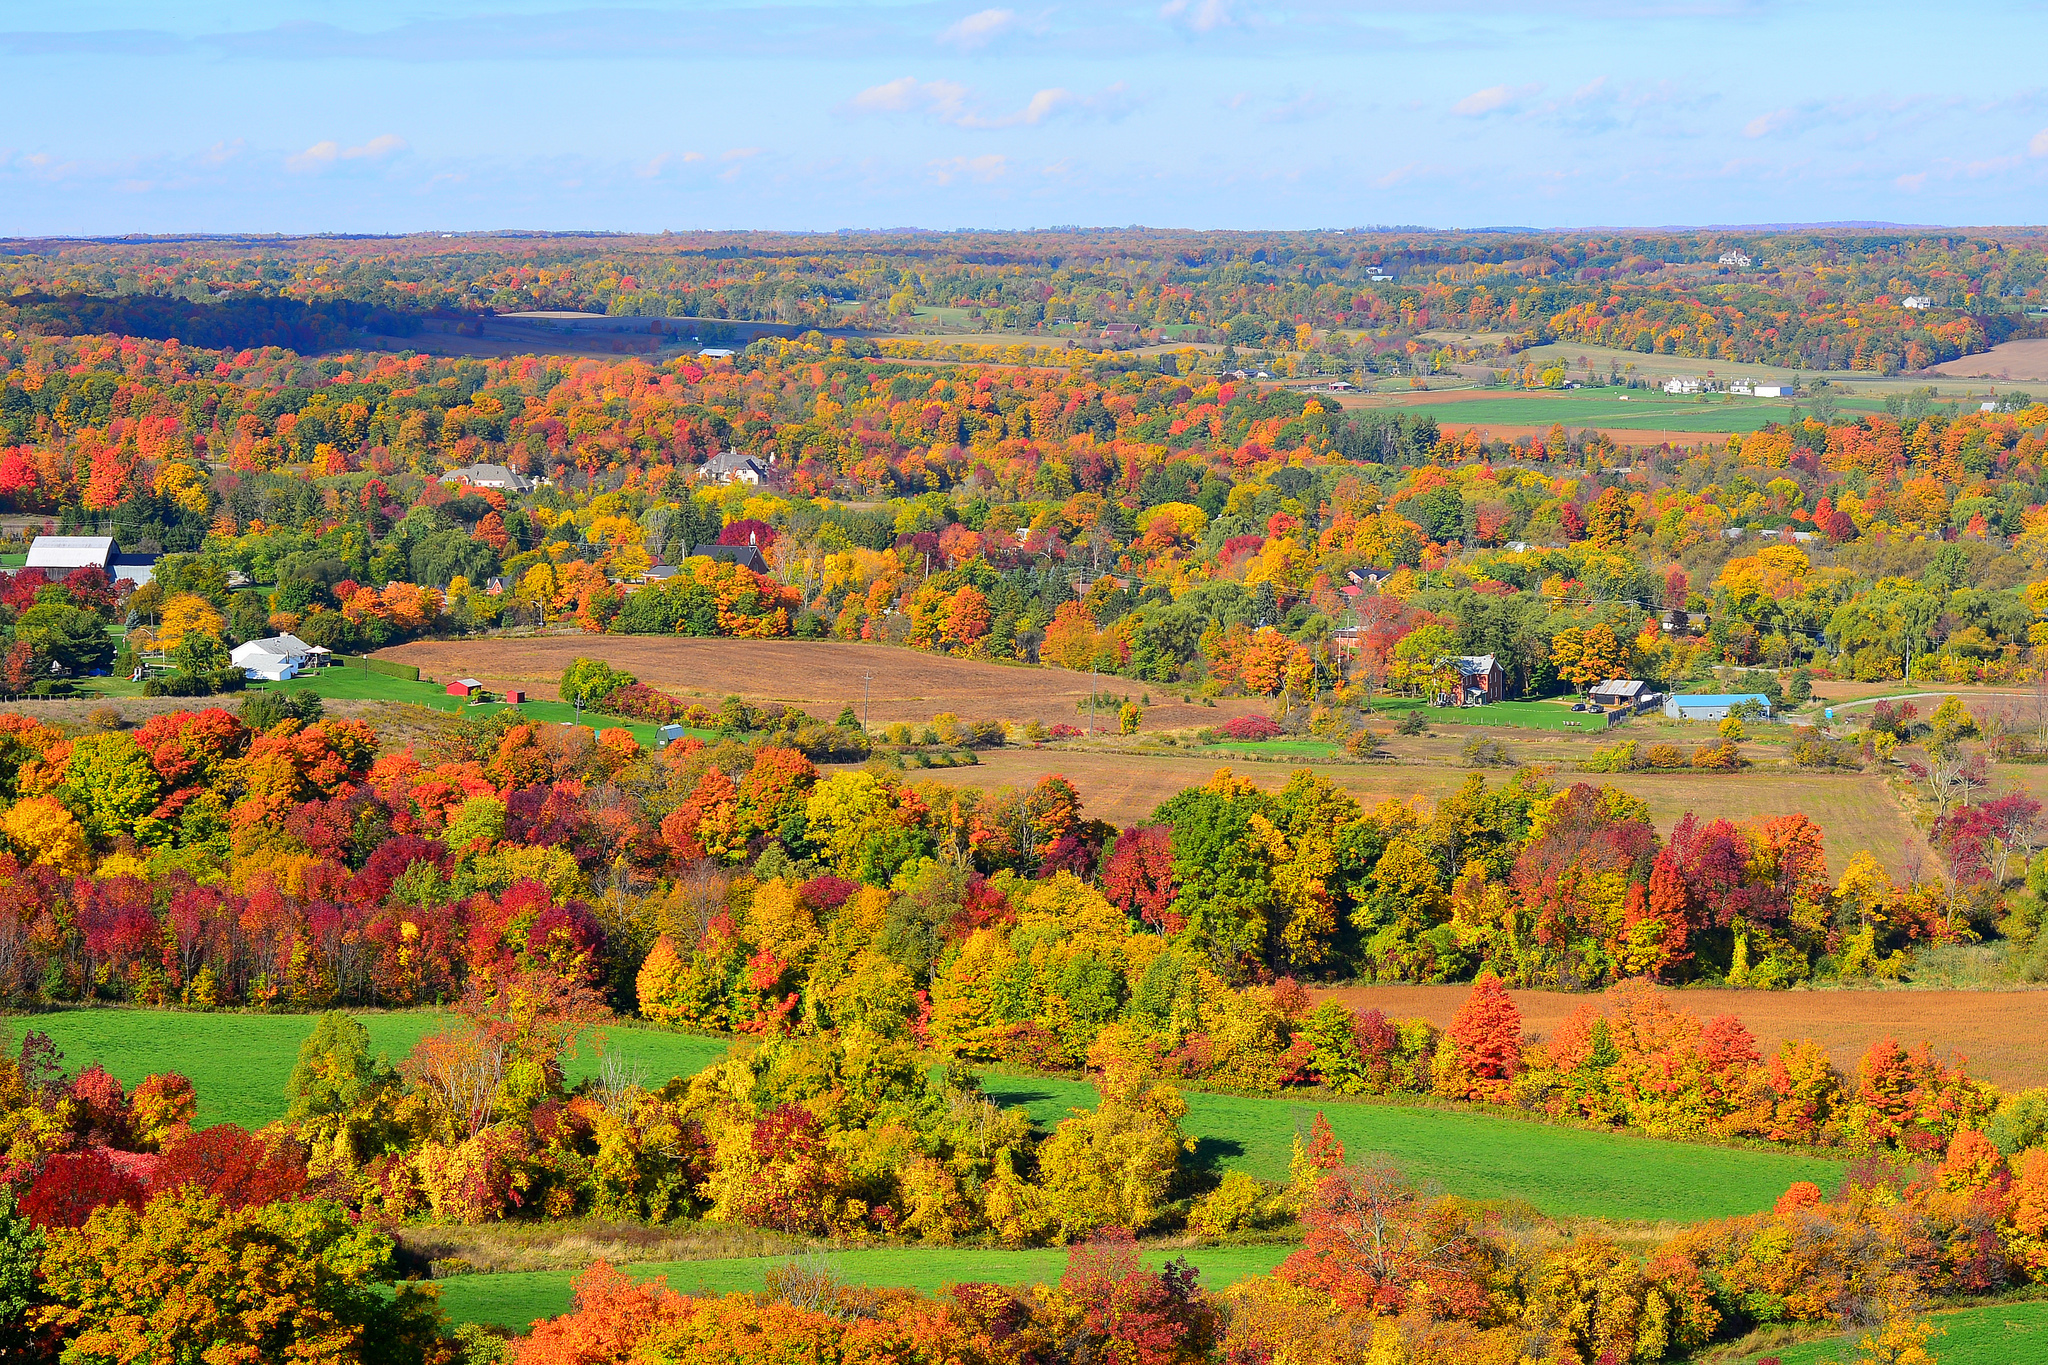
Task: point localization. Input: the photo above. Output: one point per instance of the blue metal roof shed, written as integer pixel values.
(1705, 707)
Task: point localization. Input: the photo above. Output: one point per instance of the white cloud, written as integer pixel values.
(1203, 16)
(1911, 183)
(1492, 100)
(653, 168)
(983, 170)
(2039, 146)
(942, 100)
(321, 155)
(1301, 109)
(980, 28)
(736, 159)
(1763, 125)
(949, 102)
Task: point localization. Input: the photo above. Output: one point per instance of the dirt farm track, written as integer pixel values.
(819, 675)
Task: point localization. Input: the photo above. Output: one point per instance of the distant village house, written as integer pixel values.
(731, 466)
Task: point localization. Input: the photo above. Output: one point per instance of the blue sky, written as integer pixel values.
(465, 114)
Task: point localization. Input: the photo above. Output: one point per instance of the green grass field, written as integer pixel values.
(1640, 409)
(1531, 715)
(1564, 1172)
(362, 685)
(1990, 1334)
(357, 684)
(1282, 748)
(240, 1062)
(518, 1298)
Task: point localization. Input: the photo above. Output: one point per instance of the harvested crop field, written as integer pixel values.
(818, 675)
(1999, 1032)
(2009, 360)
(1854, 812)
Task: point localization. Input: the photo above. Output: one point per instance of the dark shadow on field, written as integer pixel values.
(1011, 1099)
(1210, 1152)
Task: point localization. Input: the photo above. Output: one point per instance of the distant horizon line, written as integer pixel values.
(1375, 230)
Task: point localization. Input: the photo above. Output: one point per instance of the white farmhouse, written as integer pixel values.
(277, 659)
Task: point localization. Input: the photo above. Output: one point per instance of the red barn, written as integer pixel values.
(464, 687)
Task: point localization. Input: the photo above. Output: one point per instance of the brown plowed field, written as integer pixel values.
(2003, 1034)
(819, 675)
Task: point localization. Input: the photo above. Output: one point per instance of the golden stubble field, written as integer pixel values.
(818, 675)
(2025, 360)
(2000, 1033)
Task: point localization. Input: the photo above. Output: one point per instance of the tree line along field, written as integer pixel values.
(1125, 788)
(1854, 810)
(1998, 1032)
(517, 1298)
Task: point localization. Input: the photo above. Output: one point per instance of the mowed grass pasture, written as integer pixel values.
(517, 1298)
(239, 1063)
(1985, 1334)
(1562, 1172)
(1610, 409)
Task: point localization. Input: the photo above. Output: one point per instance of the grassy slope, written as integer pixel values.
(1993, 1334)
(361, 684)
(356, 684)
(240, 1062)
(1565, 1172)
(516, 1299)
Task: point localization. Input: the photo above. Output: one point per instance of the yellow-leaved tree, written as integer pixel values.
(42, 831)
(184, 613)
(185, 1278)
(1586, 658)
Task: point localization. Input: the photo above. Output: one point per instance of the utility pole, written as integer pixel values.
(867, 714)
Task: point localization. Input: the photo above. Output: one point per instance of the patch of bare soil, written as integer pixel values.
(2002, 1034)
